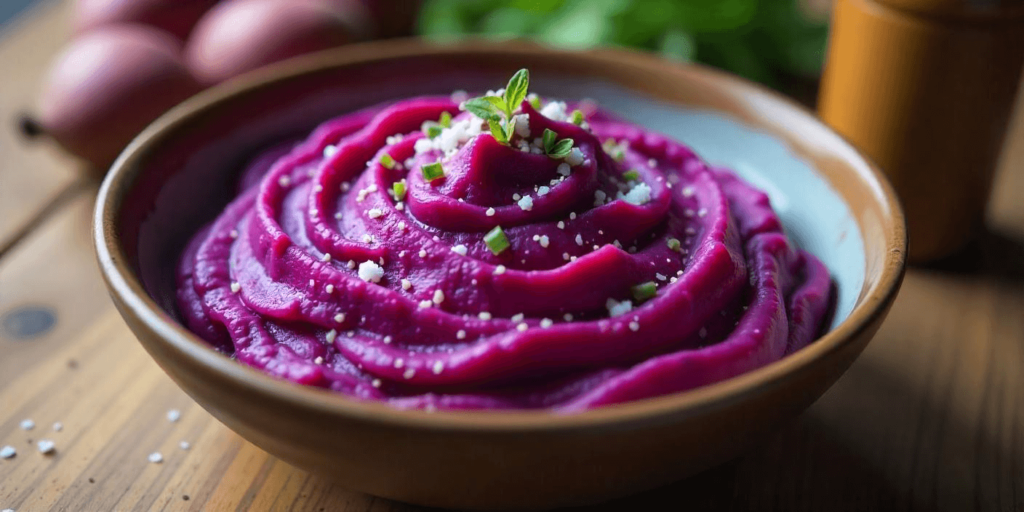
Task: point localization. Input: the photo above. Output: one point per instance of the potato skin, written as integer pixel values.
(241, 35)
(108, 84)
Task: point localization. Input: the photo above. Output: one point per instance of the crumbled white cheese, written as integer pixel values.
(545, 241)
(522, 125)
(575, 157)
(375, 213)
(330, 151)
(484, 315)
(438, 367)
(331, 336)
(543, 191)
(579, 240)
(339, 318)
(546, 322)
(616, 308)
(526, 203)
(554, 110)
(640, 194)
(460, 249)
(599, 197)
(500, 269)
(406, 284)
(370, 271)
(438, 296)
(564, 169)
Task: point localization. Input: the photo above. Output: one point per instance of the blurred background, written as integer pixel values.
(130, 60)
(779, 43)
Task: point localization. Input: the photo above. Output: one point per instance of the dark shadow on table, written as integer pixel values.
(991, 254)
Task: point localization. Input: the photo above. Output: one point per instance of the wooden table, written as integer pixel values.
(931, 417)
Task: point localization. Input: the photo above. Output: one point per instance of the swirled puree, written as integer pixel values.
(505, 252)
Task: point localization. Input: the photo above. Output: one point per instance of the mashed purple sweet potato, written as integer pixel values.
(624, 268)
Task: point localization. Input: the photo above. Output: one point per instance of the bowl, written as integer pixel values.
(179, 173)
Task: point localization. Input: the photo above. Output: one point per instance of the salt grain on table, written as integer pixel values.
(173, 415)
(28, 424)
(58, 426)
(45, 446)
(184, 445)
(7, 452)
(156, 458)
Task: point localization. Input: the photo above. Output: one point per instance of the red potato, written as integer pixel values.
(242, 35)
(175, 16)
(108, 84)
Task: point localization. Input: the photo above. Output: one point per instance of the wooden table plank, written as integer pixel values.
(33, 174)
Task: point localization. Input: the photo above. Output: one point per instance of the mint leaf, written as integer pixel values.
(497, 131)
(550, 137)
(498, 103)
(561, 149)
(482, 108)
(516, 89)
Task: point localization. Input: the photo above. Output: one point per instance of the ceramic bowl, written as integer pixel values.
(179, 173)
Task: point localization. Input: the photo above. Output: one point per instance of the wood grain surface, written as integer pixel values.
(33, 175)
(931, 417)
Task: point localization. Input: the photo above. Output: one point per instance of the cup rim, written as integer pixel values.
(126, 287)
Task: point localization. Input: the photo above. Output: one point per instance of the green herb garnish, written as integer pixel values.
(673, 244)
(432, 171)
(577, 117)
(556, 148)
(644, 291)
(496, 240)
(502, 131)
(446, 120)
(387, 161)
(631, 175)
(498, 111)
(398, 188)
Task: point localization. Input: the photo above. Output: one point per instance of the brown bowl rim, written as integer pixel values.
(125, 286)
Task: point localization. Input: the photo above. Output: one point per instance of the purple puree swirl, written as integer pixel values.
(317, 274)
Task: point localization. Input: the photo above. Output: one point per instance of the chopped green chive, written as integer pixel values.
(446, 120)
(431, 128)
(577, 117)
(631, 175)
(432, 171)
(535, 102)
(496, 240)
(673, 244)
(644, 291)
(387, 161)
(398, 188)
